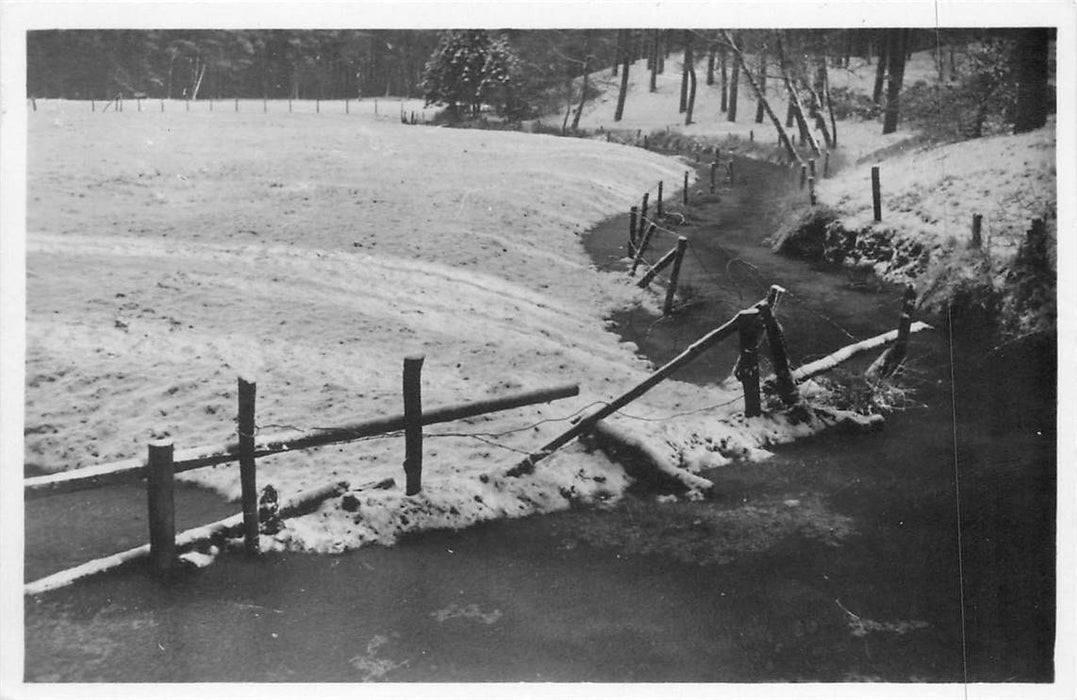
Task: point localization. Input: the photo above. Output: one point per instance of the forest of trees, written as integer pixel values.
(990, 75)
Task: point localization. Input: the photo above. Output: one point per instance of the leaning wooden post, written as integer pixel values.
(684, 191)
(714, 172)
(642, 214)
(977, 227)
(160, 490)
(785, 384)
(632, 213)
(674, 274)
(413, 424)
(892, 357)
(658, 204)
(876, 194)
(247, 475)
(748, 364)
(641, 249)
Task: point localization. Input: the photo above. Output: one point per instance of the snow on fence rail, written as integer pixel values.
(161, 463)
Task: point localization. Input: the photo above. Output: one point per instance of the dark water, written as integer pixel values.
(937, 533)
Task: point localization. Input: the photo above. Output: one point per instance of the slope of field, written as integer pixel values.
(170, 252)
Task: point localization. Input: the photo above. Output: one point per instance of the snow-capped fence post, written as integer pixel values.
(784, 382)
(684, 191)
(674, 275)
(977, 227)
(413, 424)
(632, 213)
(641, 249)
(714, 172)
(891, 358)
(876, 194)
(248, 481)
(747, 370)
(160, 491)
(658, 203)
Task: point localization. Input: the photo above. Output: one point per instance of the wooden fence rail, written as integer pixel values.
(197, 457)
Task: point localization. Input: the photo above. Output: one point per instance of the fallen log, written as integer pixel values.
(844, 354)
(232, 526)
(198, 457)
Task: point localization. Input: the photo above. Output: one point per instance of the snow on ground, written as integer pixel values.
(930, 192)
(168, 253)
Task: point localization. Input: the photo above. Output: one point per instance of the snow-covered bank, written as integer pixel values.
(170, 252)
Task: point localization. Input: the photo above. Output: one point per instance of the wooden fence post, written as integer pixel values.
(641, 249)
(162, 104)
(289, 105)
(786, 385)
(811, 191)
(751, 135)
(977, 227)
(93, 105)
(247, 470)
(347, 105)
(642, 213)
(811, 167)
(826, 165)
(876, 194)
(375, 106)
(748, 363)
(211, 104)
(237, 105)
(317, 105)
(803, 176)
(160, 490)
(891, 358)
(138, 102)
(658, 204)
(265, 105)
(674, 275)
(684, 192)
(632, 230)
(413, 424)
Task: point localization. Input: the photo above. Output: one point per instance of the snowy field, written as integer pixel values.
(169, 253)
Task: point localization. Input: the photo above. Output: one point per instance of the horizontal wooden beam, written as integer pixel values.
(198, 457)
(843, 354)
(232, 526)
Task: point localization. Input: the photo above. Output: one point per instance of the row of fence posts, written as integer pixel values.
(210, 102)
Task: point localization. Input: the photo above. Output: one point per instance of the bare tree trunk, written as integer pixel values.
(896, 71)
(762, 82)
(731, 115)
(725, 79)
(683, 107)
(794, 99)
(783, 138)
(710, 64)
(623, 93)
(654, 60)
(691, 84)
(880, 67)
(583, 85)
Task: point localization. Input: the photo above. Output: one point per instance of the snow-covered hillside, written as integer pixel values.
(170, 252)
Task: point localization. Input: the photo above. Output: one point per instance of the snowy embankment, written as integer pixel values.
(930, 191)
(170, 252)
